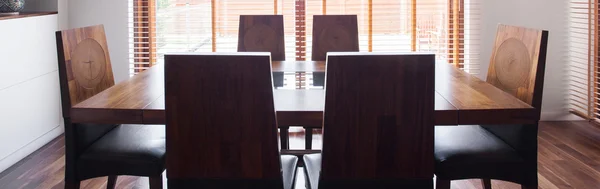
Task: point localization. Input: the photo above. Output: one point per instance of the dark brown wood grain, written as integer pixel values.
(221, 121)
(379, 118)
(84, 64)
(25, 15)
(262, 33)
(334, 33)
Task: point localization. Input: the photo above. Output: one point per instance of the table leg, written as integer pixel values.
(284, 137)
(308, 138)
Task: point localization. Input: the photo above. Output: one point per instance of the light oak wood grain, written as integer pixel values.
(518, 63)
(460, 99)
(84, 63)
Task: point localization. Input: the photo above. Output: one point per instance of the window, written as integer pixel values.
(445, 27)
(583, 58)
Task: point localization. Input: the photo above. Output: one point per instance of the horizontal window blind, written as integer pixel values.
(466, 52)
(448, 28)
(583, 59)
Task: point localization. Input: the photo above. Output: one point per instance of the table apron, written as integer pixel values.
(313, 119)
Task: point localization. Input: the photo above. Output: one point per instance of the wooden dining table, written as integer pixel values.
(460, 99)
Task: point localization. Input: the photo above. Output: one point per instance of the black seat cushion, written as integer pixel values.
(289, 165)
(312, 170)
(126, 150)
(470, 151)
(86, 134)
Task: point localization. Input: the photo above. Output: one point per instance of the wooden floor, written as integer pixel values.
(569, 157)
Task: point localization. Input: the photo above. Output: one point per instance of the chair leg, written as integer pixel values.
(112, 182)
(284, 137)
(156, 182)
(442, 184)
(72, 185)
(308, 138)
(486, 183)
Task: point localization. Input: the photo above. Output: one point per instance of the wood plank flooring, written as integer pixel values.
(569, 157)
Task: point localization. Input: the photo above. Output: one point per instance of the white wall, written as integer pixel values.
(113, 14)
(541, 14)
(29, 89)
(63, 14)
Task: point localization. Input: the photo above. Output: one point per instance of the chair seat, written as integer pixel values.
(289, 166)
(470, 151)
(127, 150)
(312, 170)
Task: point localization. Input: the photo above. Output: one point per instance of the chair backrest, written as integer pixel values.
(221, 125)
(518, 62)
(378, 121)
(84, 64)
(517, 66)
(84, 70)
(262, 33)
(334, 33)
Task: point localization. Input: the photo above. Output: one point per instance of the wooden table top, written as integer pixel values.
(460, 99)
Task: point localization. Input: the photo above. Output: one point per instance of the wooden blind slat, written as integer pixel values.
(583, 55)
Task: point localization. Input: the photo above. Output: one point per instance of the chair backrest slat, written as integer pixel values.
(378, 120)
(220, 117)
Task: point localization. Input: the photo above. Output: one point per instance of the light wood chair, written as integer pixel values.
(221, 125)
(332, 33)
(263, 33)
(503, 152)
(92, 149)
(378, 123)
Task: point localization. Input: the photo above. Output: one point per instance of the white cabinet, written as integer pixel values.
(29, 90)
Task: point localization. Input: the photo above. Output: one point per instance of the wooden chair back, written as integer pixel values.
(334, 33)
(221, 125)
(518, 62)
(84, 64)
(378, 121)
(262, 33)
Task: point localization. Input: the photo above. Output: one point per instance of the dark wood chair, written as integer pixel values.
(221, 125)
(503, 152)
(332, 33)
(378, 123)
(263, 33)
(92, 149)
